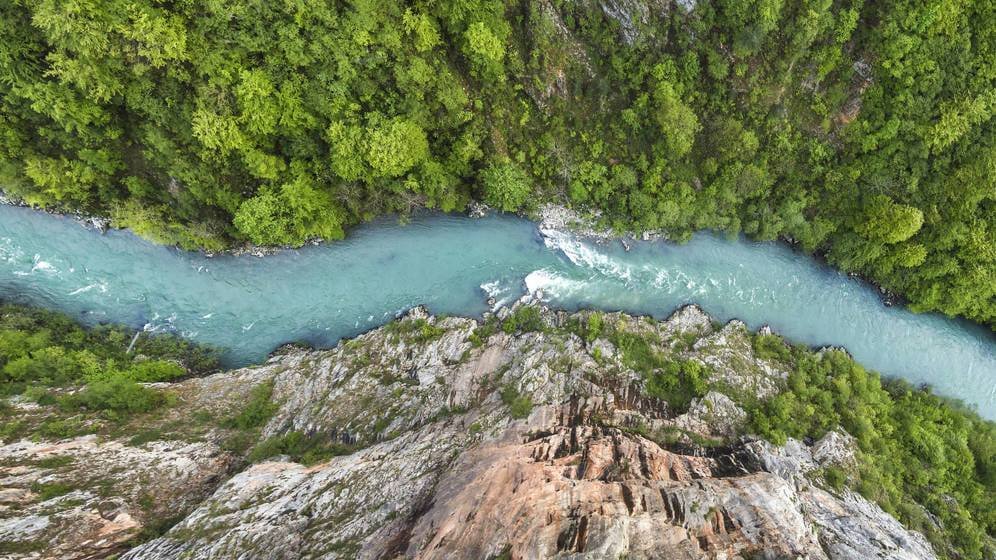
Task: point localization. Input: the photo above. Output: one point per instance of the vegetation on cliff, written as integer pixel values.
(927, 461)
(859, 129)
(52, 360)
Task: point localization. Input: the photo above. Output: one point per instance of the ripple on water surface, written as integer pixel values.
(453, 264)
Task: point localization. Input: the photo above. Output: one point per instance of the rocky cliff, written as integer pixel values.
(435, 437)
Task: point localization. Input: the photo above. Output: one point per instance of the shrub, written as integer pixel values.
(677, 382)
(915, 449)
(525, 318)
(771, 347)
(506, 186)
(155, 370)
(519, 406)
(301, 448)
(50, 490)
(258, 410)
(117, 394)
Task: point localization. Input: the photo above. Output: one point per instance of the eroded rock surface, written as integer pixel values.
(529, 445)
(456, 439)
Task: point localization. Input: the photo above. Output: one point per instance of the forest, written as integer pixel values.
(928, 461)
(861, 131)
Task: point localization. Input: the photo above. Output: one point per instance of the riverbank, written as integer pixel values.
(324, 293)
(98, 223)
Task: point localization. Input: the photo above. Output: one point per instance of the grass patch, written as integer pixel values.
(258, 410)
(670, 379)
(55, 462)
(418, 330)
(302, 448)
(51, 490)
(519, 406)
(526, 318)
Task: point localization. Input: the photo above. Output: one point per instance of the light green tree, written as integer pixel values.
(396, 147)
(886, 221)
(506, 186)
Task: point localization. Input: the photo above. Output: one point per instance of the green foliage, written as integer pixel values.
(258, 410)
(677, 121)
(50, 490)
(485, 50)
(118, 394)
(525, 318)
(674, 380)
(519, 405)
(888, 222)
(296, 213)
(396, 147)
(62, 428)
(301, 448)
(55, 461)
(771, 347)
(862, 130)
(919, 454)
(41, 349)
(418, 330)
(484, 331)
(678, 382)
(506, 186)
(594, 327)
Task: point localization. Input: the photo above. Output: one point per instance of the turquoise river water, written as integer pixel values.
(321, 294)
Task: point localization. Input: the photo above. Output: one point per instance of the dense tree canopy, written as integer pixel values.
(859, 129)
(927, 461)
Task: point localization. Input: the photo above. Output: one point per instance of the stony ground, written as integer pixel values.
(450, 439)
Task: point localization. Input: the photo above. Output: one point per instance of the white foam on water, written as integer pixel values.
(551, 285)
(155, 325)
(492, 289)
(102, 286)
(43, 266)
(9, 252)
(502, 294)
(583, 255)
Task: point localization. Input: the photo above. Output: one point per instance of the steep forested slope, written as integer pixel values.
(859, 128)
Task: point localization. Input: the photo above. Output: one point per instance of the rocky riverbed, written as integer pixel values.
(452, 438)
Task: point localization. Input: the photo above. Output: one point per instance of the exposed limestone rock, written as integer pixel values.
(714, 415)
(446, 471)
(730, 354)
(631, 15)
(108, 491)
(529, 445)
(105, 491)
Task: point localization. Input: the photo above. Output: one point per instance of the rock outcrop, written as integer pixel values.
(459, 440)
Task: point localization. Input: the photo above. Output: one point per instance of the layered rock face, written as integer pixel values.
(464, 443)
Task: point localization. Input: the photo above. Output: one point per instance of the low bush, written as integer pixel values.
(519, 406)
(302, 448)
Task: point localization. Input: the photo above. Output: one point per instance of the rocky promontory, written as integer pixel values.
(530, 435)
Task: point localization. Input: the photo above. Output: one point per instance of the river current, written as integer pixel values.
(452, 264)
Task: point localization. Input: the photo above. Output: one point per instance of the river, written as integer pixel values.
(451, 264)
